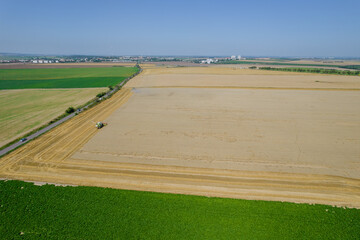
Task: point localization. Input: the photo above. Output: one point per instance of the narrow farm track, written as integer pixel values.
(65, 139)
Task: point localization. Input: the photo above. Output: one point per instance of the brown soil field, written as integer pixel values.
(326, 62)
(245, 66)
(61, 65)
(292, 143)
(210, 70)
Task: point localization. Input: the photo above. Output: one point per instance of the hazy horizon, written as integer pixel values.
(176, 56)
(162, 28)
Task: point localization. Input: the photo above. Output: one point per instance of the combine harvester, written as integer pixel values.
(100, 125)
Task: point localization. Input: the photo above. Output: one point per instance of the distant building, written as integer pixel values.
(239, 57)
(40, 61)
(208, 61)
(34, 61)
(233, 57)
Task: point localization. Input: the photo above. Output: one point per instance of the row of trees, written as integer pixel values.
(314, 70)
(102, 94)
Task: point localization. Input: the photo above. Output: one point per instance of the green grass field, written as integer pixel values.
(63, 77)
(23, 110)
(33, 212)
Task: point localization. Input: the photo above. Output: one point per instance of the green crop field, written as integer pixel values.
(63, 77)
(34, 212)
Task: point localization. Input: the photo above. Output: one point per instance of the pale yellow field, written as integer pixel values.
(23, 110)
(273, 139)
(308, 61)
(312, 132)
(327, 62)
(211, 70)
(240, 78)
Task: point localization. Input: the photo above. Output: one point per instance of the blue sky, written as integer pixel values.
(254, 28)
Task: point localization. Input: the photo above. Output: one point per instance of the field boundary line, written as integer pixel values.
(260, 88)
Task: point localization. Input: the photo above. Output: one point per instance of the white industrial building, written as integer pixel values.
(208, 61)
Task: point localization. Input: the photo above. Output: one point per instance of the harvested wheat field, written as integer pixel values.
(225, 77)
(279, 137)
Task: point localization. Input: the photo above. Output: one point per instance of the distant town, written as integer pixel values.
(35, 59)
(85, 59)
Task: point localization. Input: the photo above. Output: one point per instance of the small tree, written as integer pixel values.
(110, 88)
(70, 110)
(100, 94)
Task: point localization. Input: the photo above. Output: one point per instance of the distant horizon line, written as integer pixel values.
(9, 54)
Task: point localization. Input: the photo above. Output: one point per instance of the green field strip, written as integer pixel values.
(88, 82)
(43, 212)
(63, 78)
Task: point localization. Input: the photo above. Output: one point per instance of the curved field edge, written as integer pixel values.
(49, 211)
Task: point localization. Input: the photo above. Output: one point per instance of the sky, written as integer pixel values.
(292, 28)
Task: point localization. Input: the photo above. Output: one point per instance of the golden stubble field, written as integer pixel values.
(226, 77)
(287, 142)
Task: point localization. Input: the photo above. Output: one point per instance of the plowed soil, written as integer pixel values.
(61, 65)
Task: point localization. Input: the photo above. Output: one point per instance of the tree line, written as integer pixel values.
(314, 70)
